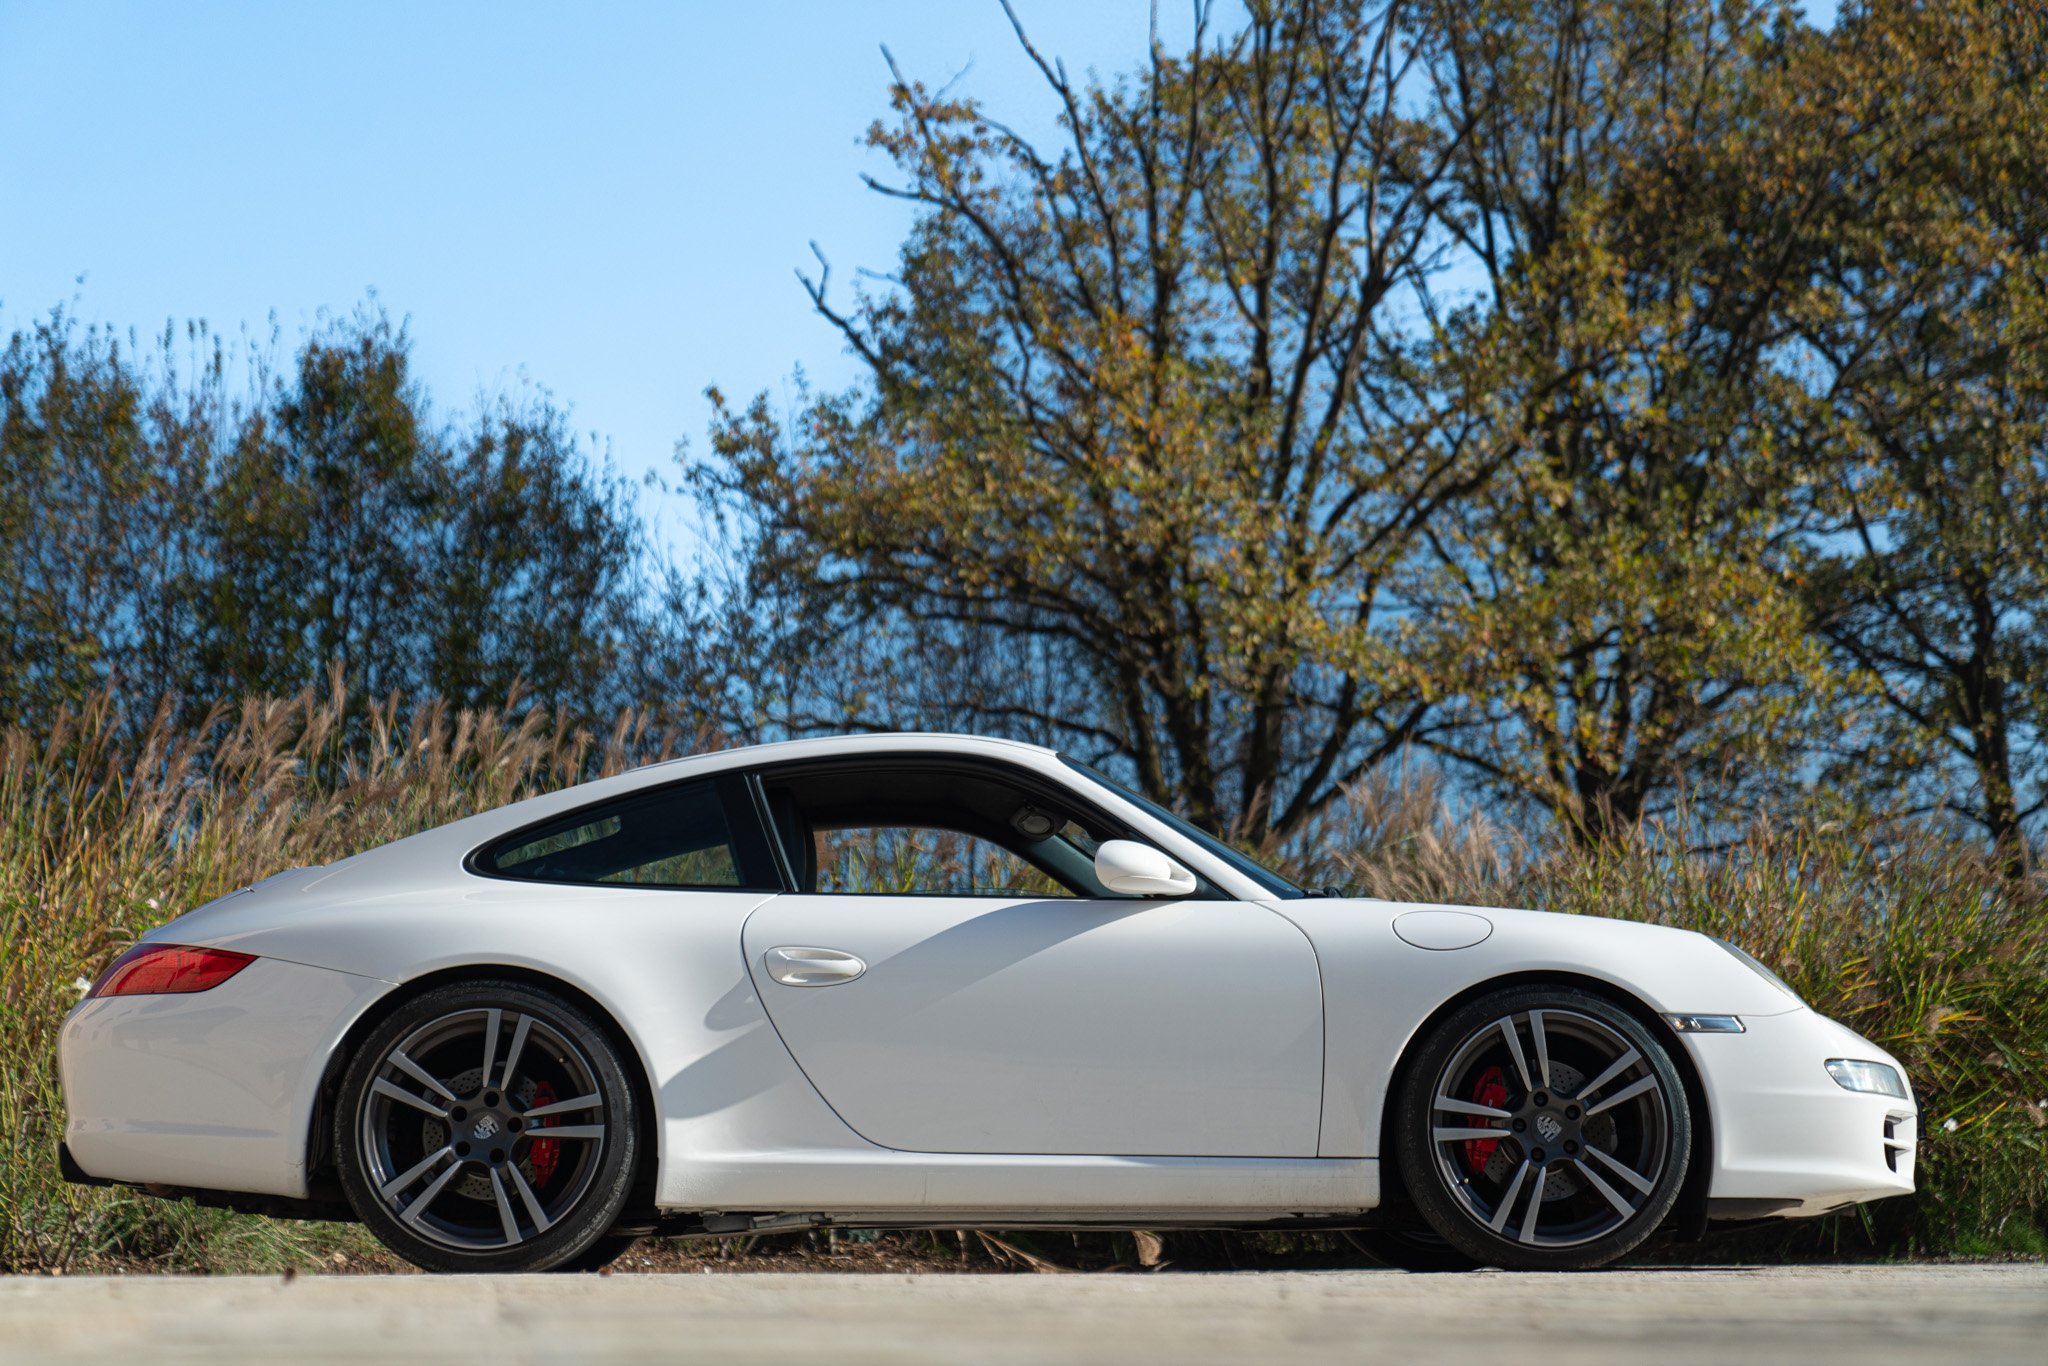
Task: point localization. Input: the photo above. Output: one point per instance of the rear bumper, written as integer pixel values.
(68, 1168)
(1789, 1142)
(211, 1090)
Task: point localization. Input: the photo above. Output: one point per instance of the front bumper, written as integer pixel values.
(1788, 1141)
(214, 1089)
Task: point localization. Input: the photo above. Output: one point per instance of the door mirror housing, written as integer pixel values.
(1133, 869)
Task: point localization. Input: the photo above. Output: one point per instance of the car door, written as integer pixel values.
(946, 991)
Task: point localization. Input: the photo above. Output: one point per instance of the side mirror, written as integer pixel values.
(1136, 869)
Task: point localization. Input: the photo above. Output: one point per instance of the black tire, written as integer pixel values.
(599, 1254)
(1411, 1250)
(1535, 1172)
(442, 1139)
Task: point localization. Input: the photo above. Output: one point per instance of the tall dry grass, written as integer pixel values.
(1915, 941)
(108, 826)
(1913, 937)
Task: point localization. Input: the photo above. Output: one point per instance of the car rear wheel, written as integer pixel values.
(488, 1126)
(1543, 1128)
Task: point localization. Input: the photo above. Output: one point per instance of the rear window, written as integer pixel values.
(673, 837)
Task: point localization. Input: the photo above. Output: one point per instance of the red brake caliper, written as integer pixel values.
(545, 1152)
(1490, 1089)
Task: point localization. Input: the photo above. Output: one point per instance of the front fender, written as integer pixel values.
(1378, 989)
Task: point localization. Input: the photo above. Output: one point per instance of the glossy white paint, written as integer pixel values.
(1180, 1028)
(1785, 1130)
(213, 1090)
(1136, 869)
(1442, 930)
(1379, 990)
(1247, 1044)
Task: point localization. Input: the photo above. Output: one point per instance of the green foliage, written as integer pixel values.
(1137, 414)
(155, 530)
(1627, 400)
(1619, 607)
(77, 577)
(1929, 327)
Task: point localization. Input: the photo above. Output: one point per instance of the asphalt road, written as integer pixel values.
(1754, 1317)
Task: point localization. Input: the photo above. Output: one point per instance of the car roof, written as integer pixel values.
(442, 850)
(709, 762)
(829, 746)
(447, 845)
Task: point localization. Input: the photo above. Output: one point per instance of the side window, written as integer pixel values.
(931, 827)
(673, 837)
(925, 860)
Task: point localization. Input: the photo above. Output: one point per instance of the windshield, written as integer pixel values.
(1265, 877)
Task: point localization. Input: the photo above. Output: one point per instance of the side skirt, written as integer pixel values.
(673, 1224)
(866, 1188)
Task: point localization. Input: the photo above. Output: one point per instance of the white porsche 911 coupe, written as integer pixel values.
(939, 981)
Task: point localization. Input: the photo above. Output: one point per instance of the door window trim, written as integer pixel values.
(1035, 784)
(753, 846)
(777, 853)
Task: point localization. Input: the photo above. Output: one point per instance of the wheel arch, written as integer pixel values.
(1689, 1215)
(320, 1171)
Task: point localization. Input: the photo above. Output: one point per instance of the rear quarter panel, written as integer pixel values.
(666, 966)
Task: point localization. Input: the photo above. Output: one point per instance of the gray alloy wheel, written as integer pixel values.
(488, 1126)
(1543, 1128)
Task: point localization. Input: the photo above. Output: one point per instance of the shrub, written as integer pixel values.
(108, 826)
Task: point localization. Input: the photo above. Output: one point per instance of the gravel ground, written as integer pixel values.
(1755, 1316)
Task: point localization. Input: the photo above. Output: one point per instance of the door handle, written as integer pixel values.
(804, 967)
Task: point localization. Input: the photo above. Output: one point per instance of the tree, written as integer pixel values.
(540, 572)
(103, 459)
(1930, 339)
(325, 513)
(1622, 598)
(160, 536)
(1142, 446)
(356, 531)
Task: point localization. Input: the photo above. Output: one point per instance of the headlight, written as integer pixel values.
(1872, 1078)
(1751, 959)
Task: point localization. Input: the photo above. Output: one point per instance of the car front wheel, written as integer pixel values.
(1543, 1128)
(488, 1126)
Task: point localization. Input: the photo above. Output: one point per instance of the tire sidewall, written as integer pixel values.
(1440, 1208)
(572, 1236)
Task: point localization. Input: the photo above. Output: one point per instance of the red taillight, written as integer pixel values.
(155, 969)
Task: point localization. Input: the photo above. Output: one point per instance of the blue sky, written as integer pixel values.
(607, 200)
